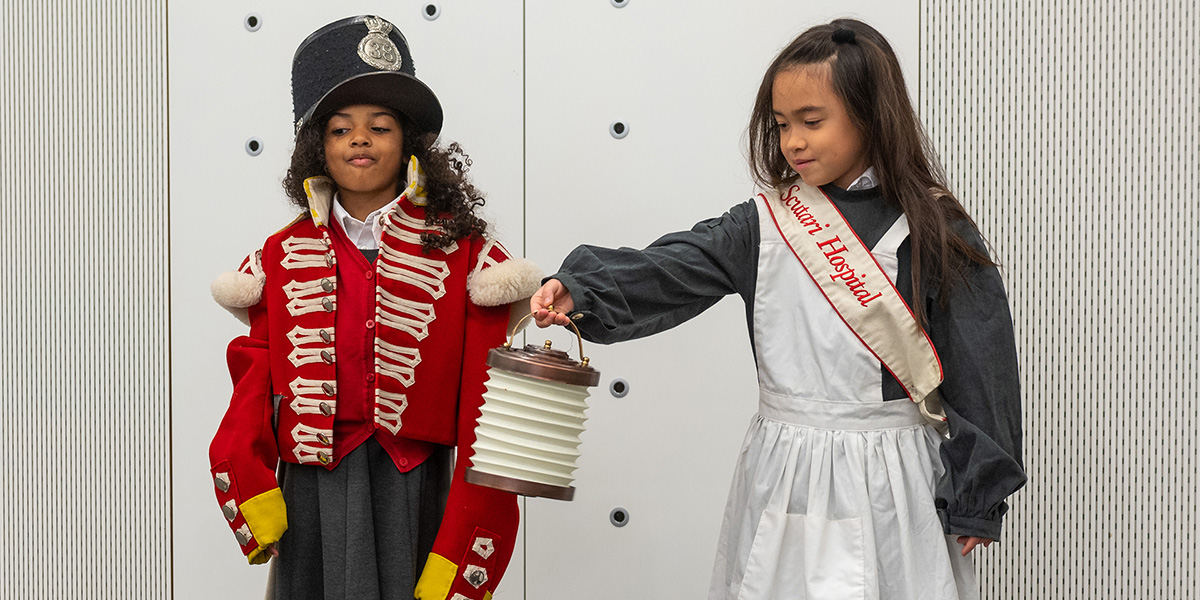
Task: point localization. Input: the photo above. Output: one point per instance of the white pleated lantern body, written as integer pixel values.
(527, 439)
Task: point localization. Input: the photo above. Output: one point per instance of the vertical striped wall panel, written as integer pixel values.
(1071, 131)
(83, 293)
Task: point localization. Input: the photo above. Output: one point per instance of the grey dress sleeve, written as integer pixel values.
(623, 294)
(973, 334)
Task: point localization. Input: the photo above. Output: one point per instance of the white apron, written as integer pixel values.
(833, 493)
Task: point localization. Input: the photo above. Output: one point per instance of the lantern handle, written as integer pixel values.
(583, 360)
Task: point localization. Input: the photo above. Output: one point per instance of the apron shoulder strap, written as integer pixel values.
(890, 242)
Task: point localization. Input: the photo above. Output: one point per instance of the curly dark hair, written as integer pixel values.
(452, 199)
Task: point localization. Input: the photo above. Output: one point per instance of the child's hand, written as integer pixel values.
(969, 543)
(552, 293)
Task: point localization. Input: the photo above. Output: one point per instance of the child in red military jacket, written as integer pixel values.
(370, 318)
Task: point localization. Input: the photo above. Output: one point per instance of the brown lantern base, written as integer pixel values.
(518, 486)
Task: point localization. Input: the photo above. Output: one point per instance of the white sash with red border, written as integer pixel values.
(860, 291)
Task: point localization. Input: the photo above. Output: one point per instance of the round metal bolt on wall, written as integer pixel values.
(254, 146)
(619, 517)
(619, 388)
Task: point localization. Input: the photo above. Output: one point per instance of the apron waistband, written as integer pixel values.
(847, 416)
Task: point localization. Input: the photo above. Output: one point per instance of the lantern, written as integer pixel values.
(527, 439)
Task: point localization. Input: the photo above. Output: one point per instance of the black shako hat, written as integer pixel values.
(360, 60)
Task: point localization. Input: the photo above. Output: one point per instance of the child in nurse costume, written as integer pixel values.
(888, 434)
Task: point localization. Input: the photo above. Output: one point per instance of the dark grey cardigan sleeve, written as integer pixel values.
(624, 294)
(973, 334)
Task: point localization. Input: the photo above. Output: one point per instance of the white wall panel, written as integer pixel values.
(83, 266)
(229, 84)
(683, 75)
(1070, 130)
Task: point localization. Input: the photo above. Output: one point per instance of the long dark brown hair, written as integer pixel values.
(451, 198)
(866, 76)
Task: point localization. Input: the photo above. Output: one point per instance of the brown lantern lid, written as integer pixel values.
(543, 362)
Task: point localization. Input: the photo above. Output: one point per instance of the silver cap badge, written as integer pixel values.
(376, 49)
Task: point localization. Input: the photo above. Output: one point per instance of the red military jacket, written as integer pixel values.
(436, 316)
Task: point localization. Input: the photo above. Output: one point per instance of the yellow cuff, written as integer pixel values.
(266, 515)
(436, 579)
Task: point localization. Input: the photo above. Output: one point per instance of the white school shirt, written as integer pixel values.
(364, 234)
(865, 181)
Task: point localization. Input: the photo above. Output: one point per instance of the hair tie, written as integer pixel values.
(843, 36)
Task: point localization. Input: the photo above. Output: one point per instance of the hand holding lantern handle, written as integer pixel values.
(583, 360)
(551, 304)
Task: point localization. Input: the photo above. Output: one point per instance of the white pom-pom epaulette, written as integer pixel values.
(512, 280)
(238, 290)
(498, 278)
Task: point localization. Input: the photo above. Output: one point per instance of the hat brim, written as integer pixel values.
(398, 91)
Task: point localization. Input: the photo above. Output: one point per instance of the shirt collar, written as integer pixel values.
(865, 181)
(364, 234)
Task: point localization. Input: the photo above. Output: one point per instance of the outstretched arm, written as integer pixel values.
(620, 294)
